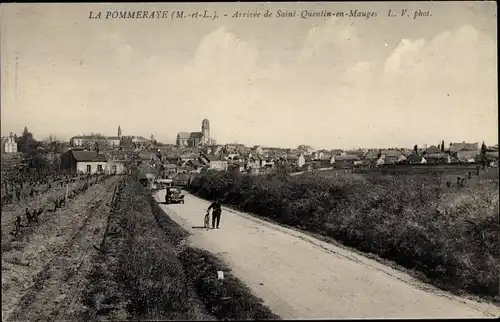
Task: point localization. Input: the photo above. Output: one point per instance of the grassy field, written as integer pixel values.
(147, 271)
(449, 234)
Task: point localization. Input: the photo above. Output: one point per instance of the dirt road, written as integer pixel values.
(44, 271)
(298, 276)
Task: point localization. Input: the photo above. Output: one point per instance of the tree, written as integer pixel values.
(304, 147)
(442, 146)
(483, 149)
(415, 148)
(26, 142)
(52, 144)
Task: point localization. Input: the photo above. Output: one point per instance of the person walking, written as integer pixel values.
(216, 207)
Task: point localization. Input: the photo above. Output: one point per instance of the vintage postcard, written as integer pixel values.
(256, 160)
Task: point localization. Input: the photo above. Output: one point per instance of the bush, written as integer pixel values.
(399, 218)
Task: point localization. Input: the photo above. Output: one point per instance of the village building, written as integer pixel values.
(297, 160)
(391, 156)
(91, 140)
(464, 152)
(213, 162)
(402, 159)
(416, 159)
(181, 179)
(432, 150)
(83, 162)
(115, 167)
(9, 144)
(326, 159)
(337, 152)
(438, 158)
(196, 139)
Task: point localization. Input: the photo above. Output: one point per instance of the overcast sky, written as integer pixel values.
(330, 83)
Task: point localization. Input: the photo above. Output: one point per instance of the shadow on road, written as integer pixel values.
(200, 227)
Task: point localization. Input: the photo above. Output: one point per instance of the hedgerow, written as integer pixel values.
(453, 238)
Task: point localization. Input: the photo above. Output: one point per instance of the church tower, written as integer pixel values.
(119, 132)
(205, 131)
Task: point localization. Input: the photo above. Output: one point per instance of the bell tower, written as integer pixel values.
(205, 131)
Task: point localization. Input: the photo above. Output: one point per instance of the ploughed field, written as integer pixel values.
(444, 233)
(45, 263)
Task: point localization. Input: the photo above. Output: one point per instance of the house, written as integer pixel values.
(232, 156)
(391, 156)
(139, 139)
(416, 159)
(112, 141)
(297, 160)
(9, 144)
(145, 155)
(268, 162)
(402, 159)
(438, 158)
(337, 152)
(216, 150)
(380, 161)
(181, 179)
(492, 155)
(432, 150)
(371, 155)
(83, 161)
(346, 159)
(213, 162)
(457, 147)
(467, 156)
(301, 160)
(308, 158)
(186, 157)
(327, 159)
(408, 152)
(255, 162)
(358, 153)
(115, 167)
(194, 165)
(317, 155)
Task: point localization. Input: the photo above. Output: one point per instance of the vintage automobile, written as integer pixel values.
(173, 195)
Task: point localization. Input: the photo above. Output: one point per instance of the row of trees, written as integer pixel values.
(28, 145)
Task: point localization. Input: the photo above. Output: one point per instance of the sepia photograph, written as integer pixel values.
(249, 161)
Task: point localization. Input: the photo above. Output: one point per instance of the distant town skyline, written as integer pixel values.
(336, 83)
